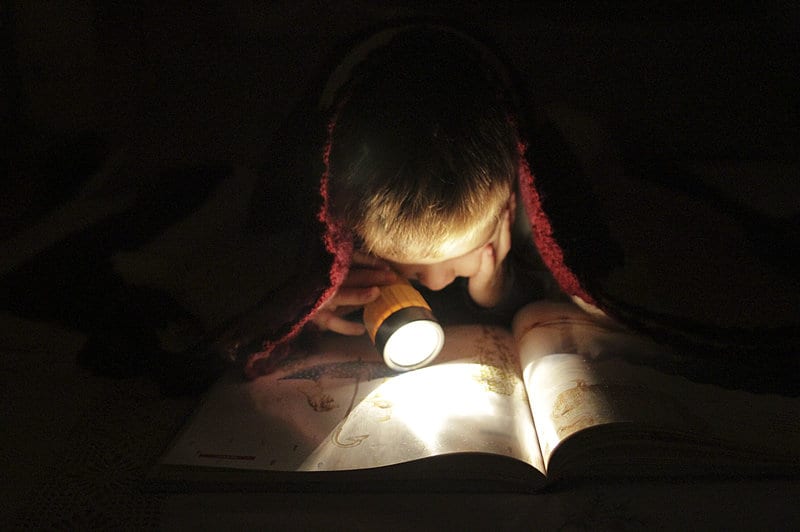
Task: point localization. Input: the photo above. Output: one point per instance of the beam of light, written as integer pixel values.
(442, 408)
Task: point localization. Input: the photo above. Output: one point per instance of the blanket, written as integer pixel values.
(177, 271)
(176, 280)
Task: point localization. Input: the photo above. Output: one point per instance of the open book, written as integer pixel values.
(560, 396)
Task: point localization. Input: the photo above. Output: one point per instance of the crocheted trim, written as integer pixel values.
(338, 243)
(549, 249)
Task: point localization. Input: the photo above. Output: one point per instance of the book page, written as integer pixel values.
(556, 342)
(338, 407)
(581, 373)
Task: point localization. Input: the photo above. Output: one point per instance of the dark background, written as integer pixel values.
(173, 86)
(189, 82)
(158, 99)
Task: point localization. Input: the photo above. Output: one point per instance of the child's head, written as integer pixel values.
(423, 153)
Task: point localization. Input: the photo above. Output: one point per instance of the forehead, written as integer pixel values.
(451, 250)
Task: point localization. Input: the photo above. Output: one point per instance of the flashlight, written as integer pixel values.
(403, 328)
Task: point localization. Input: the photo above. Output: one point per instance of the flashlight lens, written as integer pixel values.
(413, 345)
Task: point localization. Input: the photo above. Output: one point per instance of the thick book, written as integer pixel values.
(561, 395)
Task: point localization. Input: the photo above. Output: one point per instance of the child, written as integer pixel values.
(417, 158)
(424, 175)
(423, 166)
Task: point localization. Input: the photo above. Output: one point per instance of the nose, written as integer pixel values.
(436, 277)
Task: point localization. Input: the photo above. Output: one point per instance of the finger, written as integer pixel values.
(364, 259)
(482, 286)
(487, 269)
(366, 277)
(340, 325)
(503, 245)
(328, 321)
(355, 297)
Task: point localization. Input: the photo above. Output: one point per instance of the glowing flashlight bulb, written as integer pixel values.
(414, 344)
(403, 328)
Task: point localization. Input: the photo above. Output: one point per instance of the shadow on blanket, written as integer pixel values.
(73, 281)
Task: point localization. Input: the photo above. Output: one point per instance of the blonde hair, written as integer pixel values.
(423, 152)
(400, 221)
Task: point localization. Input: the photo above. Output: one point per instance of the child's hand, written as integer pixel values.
(486, 287)
(361, 286)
